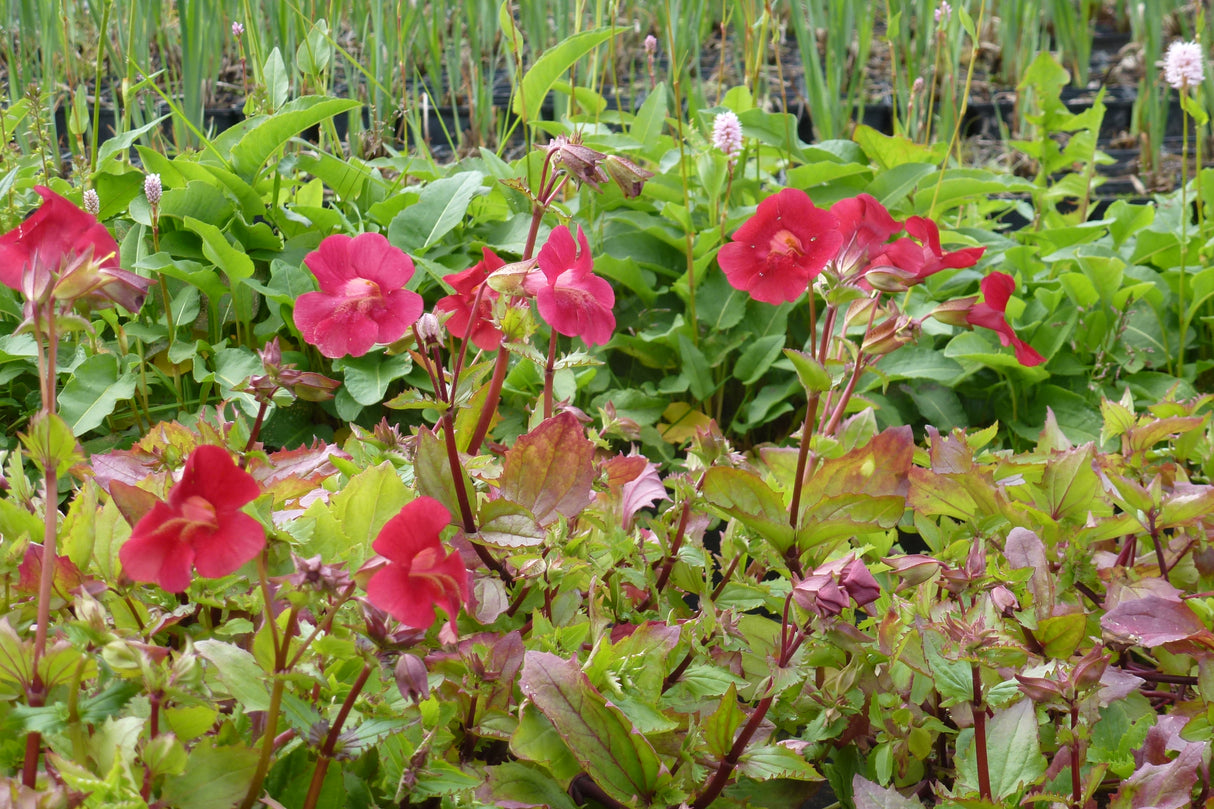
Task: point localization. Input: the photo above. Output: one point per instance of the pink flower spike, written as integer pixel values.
(418, 575)
(485, 335)
(571, 298)
(201, 526)
(782, 248)
(1184, 66)
(996, 290)
(362, 300)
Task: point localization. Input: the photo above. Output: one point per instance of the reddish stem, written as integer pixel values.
(979, 711)
(326, 752)
(491, 400)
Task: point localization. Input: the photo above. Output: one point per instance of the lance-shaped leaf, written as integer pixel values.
(549, 470)
(605, 743)
(743, 495)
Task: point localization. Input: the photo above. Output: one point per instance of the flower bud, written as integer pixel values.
(627, 175)
(410, 673)
(429, 329)
(651, 45)
(237, 29)
(955, 312)
(890, 279)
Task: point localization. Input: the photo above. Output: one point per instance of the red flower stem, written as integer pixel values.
(326, 752)
(726, 767)
(811, 416)
(439, 378)
(979, 711)
(548, 374)
(500, 366)
(845, 397)
(672, 554)
(255, 431)
(1076, 780)
(463, 346)
(467, 518)
(828, 327)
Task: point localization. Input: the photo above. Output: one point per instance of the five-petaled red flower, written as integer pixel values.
(362, 300)
(571, 298)
(485, 335)
(782, 248)
(201, 526)
(64, 247)
(997, 289)
(419, 575)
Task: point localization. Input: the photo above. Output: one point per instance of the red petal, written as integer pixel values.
(237, 540)
(153, 555)
(416, 527)
(210, 473)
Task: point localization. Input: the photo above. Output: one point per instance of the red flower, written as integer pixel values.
(996, 289)
(63, 246)
(571, 298)
(777, 253)
(865, 226)
(418, 576)
(485, 335)
(201, 526)
(362, 299)
(925, 257)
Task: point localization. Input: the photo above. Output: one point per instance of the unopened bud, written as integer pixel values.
(429, 329)
(890, 279)
(411, 678)
(954, 313)
(627, 175)
(237, 29)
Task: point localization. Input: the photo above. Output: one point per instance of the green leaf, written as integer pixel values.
(742, 494)
(95, 389)
(119, 144)
(525, 785)
(551, 66)
(219, 251)
(651, 117)
(508, 525)
(1062, 634)
(536, 739)
(49, 442)
(776, 761)
(1014, 758)
(239, 673)
(367, 378)
(696, 369)
(604, 742)
(269, 134)
(439, 209)
(812, 373)
(216, 777)
(758, 358)
(275, 78)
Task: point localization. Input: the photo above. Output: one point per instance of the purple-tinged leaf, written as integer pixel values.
(600, 737)
(1024, 549)
(634, 483)
(432, 470)
(549, 471)
(1162, 786)
(1185, 505)
(868, 795)
(514, 785)
(1153, 621)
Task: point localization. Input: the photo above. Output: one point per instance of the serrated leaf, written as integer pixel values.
(549, 471)
(239, 673)
(600, 737)
(216, 777)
